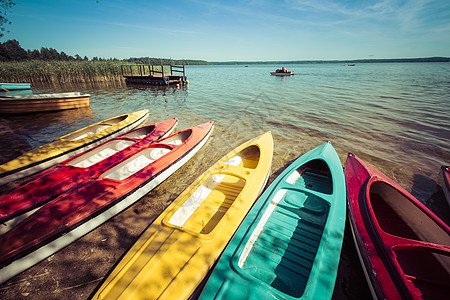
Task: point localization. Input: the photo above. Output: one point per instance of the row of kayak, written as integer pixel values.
(221, 238)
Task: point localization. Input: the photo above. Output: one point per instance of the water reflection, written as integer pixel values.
(23, 132)
(78, 86)
(178, 94)
(43, 119)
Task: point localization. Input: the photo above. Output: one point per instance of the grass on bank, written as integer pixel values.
(62, 72)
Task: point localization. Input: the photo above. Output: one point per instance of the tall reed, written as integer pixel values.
(61, 72)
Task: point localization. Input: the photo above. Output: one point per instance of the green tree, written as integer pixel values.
(11, 51)
(5, 5)
(35, 54)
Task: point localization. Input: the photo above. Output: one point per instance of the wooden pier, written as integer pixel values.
(154, 74)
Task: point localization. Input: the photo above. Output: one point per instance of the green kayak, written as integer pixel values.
(289, 245)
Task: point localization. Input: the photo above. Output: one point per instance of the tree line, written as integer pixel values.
(11, 51)
(165, 61)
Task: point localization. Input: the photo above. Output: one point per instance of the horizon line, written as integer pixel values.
(431, 58)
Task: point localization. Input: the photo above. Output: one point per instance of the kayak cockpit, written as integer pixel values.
(140, 133)
(142, 159)
(397, 215)
(207, 205)
(314, 175)
(91, 130)
(420, 246)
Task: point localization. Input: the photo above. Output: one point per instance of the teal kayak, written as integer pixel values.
(6, 86)
(289, 245)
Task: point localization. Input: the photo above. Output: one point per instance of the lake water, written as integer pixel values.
(394, 116)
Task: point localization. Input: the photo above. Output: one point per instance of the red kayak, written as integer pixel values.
(404, 248)
(16, 204)
(81, 209)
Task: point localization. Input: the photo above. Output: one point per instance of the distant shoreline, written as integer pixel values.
(352, 61)
(71, 72)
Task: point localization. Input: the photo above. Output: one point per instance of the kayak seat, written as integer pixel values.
(136, 163)
(100, 153)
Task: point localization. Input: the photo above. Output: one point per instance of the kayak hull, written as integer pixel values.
(282, 73)
(21, 104)
(12, 86)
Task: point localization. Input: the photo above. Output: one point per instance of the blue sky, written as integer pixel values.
(234, 30)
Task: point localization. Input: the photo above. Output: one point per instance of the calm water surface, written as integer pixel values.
(394, 116)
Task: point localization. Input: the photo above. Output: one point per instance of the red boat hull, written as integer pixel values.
(83, 208)
(403, 246)
(59, 179)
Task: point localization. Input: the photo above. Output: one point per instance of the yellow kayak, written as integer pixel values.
(69, 145)
(175, 253)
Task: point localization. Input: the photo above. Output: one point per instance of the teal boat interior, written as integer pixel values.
(283, 246)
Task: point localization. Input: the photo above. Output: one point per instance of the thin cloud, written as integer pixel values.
(407, 15)
(151, 28)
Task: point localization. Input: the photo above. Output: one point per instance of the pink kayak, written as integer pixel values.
(404, 248)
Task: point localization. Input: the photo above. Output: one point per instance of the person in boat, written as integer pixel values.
(282, 70)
